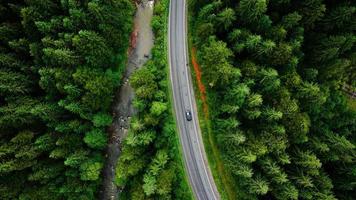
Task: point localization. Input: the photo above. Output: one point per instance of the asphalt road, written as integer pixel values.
(195, 161)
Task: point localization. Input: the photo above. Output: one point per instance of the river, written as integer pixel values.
(122, 110)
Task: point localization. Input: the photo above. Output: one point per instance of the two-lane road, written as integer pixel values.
(195, 161)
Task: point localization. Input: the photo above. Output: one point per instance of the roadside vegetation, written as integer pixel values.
(60, 64)
(273, 72)
(222, 178)
(150, 166)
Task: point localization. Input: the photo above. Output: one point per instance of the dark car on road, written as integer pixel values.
(188, 115)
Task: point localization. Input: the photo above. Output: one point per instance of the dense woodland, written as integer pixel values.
(60, 64)
(274, 69)
(150, 166)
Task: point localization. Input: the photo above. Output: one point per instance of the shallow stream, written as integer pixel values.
(141, 42)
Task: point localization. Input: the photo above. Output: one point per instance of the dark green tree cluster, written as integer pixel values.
(58, 73)
(149, 166)
(274, 70)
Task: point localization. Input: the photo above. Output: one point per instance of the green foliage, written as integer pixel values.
(216, 56)
(102, 120)
(90, 170)
(158, 108)
(258, 186)
(252, 10)
(150, 179)
(96, 138)
(58, 74)
(149, 166)
(283, 127)
(92, 48)
(227, 17)
(143, 83)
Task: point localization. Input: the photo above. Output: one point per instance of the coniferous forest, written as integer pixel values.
(60, 63)
(150, 166)
(274, 70)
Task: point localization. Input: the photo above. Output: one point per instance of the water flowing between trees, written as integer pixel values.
(141, 44)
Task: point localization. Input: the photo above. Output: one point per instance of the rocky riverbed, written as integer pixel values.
(139, 53)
